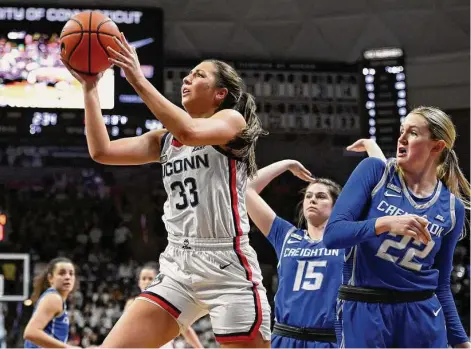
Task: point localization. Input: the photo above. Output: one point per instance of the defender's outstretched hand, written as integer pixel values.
(368, 145)
(359, 145)
(300, 171)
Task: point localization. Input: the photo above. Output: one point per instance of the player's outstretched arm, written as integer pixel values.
(368, 145)
(259, 211)
(192, 338)
(127, 151)
(444, 263)
(265, 175)
(344, 229)
(49, 307)
(217, 130)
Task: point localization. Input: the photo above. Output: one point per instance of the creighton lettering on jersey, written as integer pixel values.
(309, 277)
(400, 262)
(391, 210)
(309, 252)
(206, 191)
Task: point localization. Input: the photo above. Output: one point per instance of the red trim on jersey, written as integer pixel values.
(234, 199)
(243, 260)
(176, 143)
(250, 335)
(173, 310)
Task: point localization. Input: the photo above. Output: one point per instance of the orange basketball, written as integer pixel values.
(84, 40)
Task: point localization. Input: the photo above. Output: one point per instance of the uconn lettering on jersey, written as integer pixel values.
(182, 165)
(309, 252)
(391, 210)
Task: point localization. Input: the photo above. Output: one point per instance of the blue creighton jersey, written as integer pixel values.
(309, 277)
(389, 261)
(58, 327)
(399, 262)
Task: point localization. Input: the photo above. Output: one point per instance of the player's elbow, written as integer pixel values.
(29, 334)
(98, 156)
(328, 242)
(329, 237)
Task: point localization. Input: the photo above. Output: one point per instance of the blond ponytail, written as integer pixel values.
(450, 173)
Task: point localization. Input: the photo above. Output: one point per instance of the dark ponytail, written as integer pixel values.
(243, 145)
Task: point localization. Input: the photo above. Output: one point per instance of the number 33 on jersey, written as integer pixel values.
(206, 191)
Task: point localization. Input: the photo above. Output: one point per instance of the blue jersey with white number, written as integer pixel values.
(309, 277)
(58, 327)
(375, 189)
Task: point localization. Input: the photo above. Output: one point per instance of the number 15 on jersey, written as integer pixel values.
(307, 278)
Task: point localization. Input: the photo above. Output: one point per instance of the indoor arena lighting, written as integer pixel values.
(382, 53)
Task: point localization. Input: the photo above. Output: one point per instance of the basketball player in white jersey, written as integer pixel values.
(207, 152)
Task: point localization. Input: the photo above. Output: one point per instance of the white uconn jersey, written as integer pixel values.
(205, 189)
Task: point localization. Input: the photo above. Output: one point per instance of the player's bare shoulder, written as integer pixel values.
(232, 116)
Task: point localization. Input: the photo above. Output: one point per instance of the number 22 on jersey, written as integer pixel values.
(411, 252)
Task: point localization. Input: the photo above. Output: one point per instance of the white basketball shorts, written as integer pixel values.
(220, 277)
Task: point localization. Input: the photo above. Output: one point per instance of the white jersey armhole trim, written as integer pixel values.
(164, 145)
(384, 177)
(452, 212)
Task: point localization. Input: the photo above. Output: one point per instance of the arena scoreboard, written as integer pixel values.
(383, 101)
(40, 101)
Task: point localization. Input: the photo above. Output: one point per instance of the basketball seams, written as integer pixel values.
(78, 43)
(93, 32)
(90, 43)
(78, 22)
(75, 47)
(98, 35)
(84, 72)
(101, 23)
(66, 35)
